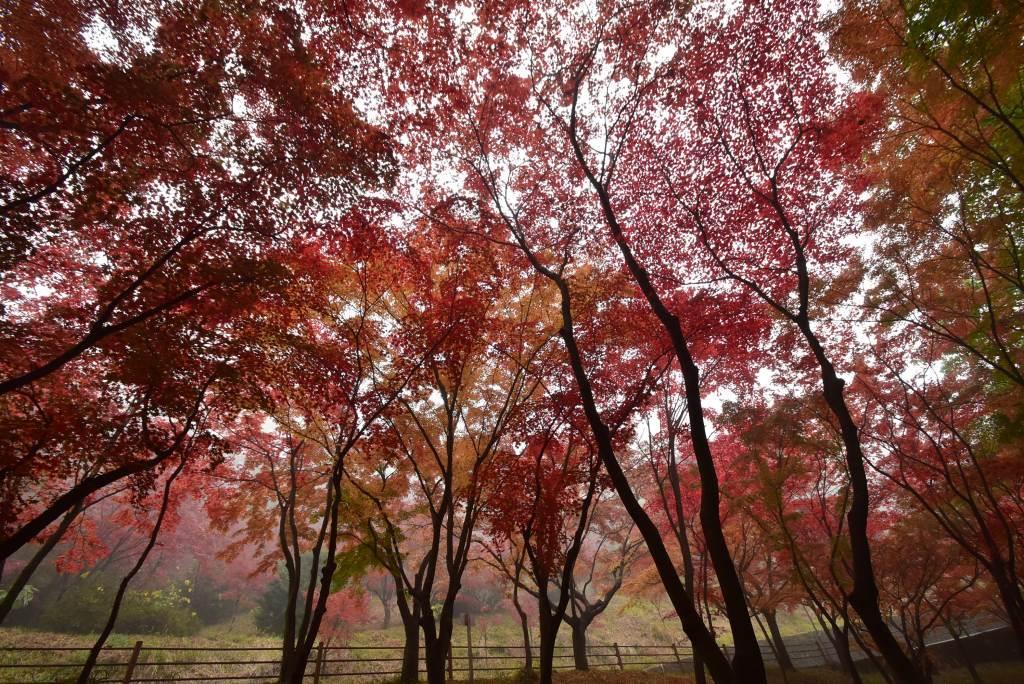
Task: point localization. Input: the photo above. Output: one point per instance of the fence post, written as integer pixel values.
(319, 663)
(469, 646)
(451, 671)
(679, 661)
(132, 662)
(618, 655)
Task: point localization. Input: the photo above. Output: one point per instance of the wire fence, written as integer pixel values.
(142, 663)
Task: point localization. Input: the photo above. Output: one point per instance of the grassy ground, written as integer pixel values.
(637, 623)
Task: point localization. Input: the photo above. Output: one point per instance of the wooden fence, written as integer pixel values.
(142, 663)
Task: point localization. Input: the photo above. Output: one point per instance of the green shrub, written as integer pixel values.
(82, 609)
(160, 611)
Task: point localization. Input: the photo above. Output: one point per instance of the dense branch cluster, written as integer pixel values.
(722, 302)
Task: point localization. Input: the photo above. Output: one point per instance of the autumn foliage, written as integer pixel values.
(718, 302)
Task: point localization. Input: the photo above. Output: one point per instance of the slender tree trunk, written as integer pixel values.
(525, 625)
(21, 581)
(693, 625)
(700, 637)
(841, 641)
(771, 646)
(864, 595)
(579, 643)
(785, 662)
(689, 575)
(94, 652)
(387, 615)
(747, 663)
(312, 619)
(963, 653)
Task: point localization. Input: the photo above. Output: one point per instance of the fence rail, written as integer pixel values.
(142, 663)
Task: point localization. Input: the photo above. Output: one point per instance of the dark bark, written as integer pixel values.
(747, 662)
(694, 627)
(781, 652)
(523, 621)
(437, 641)
(411, 654)
(692, 623)
(579, 644)
(548, 635)
(90, 485)
(964, 653)
(700, 637)
(864, 595)
(1013, 603)
(841, 642)
(409, 612)
(294, 670)
(684, 543)
(21, 581)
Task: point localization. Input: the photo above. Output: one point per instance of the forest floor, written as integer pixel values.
(637, 623)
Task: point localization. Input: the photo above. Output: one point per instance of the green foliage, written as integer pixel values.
(353, 564)
(86, 608)
(82, 609)
(161, 611)
(269, 613)
(211, 601)
(24, 598)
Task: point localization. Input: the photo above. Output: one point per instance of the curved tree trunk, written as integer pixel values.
(864, 595)
(115, 609)
(781, 652)
(841, 641)
(747, 663)
(525, 625)
(692, 623)
(700, 637)
(21, 581)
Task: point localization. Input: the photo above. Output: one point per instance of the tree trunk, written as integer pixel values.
(579, 643)
(841, 641)
(548, 632)
(682, 602)
(1013, 603)
(387, 614)
(524, 623)
(747, 664)
(964, 653)
(864, 596)
(434, 658)
(437, 641)
(115, 609)
(785, 662)
(40, 555)
(411, 653)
